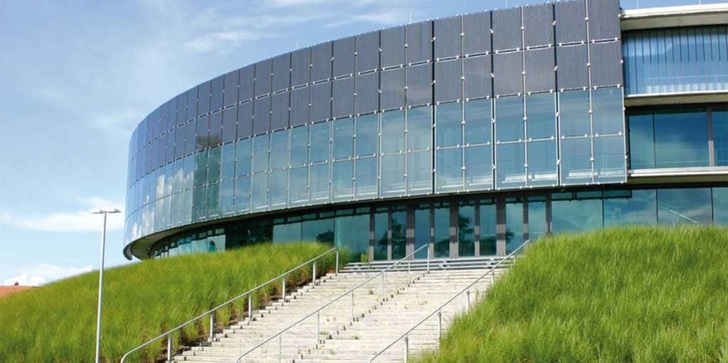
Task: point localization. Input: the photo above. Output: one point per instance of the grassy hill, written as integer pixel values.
(57, 322)
(618, 295)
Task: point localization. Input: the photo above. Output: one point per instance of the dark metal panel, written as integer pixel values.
(180, 106)
(367, 93)
(300, 67)
(507, 29)
(229, 124)
(202, 132)
(321, 62)
(281, 72)
(179, 142)
(169, 111)
(261, 115)
(540, 75)
(190, 139)
(245, 120)
(203, 99)
(606, 65)
(191, 105)
(476, 33)
(263, 71)
(392, 87)
(477, 81)
(367, 51)
(392, 41)
(508, 70)
(279, 111)
(321, 101)
(448, 80)
(247, 75)
(570, 21)
(419, 85)
(344, 57)
(448, 39)
(343, 97)
(603, 19)
(231, 88)
(538, 25)
(300, 100)
(572, 71)
(169, 157)
(419, 42)
(216, 89)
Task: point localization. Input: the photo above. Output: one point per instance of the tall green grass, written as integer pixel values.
(617, 295)
(57, 322)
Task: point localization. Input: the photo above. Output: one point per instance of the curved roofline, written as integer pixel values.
(674, 16)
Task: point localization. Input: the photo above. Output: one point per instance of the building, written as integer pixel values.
(471, 133)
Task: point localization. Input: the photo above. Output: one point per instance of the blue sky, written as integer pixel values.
(77, 76)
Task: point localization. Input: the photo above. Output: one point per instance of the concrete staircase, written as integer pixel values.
(332, 335)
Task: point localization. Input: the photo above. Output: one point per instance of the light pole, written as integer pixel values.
(101, 280)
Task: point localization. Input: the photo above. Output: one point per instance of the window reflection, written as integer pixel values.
(684, 206)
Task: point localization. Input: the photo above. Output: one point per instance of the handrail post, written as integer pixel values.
(313, 281)
(428, 259)
(336, 271)
(169, 348)
(318, 327)
(467, 301)
(283, 291)
(406, 348)
(492, 277)
(212, 325)
(381, 293)
(439, 324)
(409, 274)
(280, 347)
(352, 307)
(250, 308)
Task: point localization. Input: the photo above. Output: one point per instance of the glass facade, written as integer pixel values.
(394, 153)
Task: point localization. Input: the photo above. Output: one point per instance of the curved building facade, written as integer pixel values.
(471, 134)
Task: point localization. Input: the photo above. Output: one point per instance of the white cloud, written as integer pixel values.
(37, 275)
(76, 221)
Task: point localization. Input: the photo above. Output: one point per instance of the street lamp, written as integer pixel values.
(101, 280)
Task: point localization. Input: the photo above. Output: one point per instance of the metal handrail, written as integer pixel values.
(438, 310)
(248, 293)
(350, 291)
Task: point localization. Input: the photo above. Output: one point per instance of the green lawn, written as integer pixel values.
(618, 295)
(57, 322)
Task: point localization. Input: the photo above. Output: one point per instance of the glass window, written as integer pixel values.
(392, 132)
(243, 157)
(298, 190)
(398, 225)
(213, 200)
(487, 228)
(419, 172)
(199, 199)
(342, 180)
(227, 196)
(287, 232)
(343, 138)
(607, 111)
(509, 119)
(684, 206)
(720, 206)
(477, 122)
(541, 116)
(681, 139)
(228, 161)
(466, 230)
(449, 127)
(366, 178)
(278, 188)
(576, 215)
(299, 145)
(392, 175)
(213, 165)
(514, 225)
(442, 230)
(319, 142)
(510, 165)
(576, 165)
(381, 238)
(478, 167)
(638, 207)
(352, 233)
(574, 113)
(319, 185)
(260, 153)
(609, 162)
(259, 195)
(419, 128)
(279, 149)
(536, 219)
(449, 169)
(641, 141)
(422, 229)
(367, 129)
(200, 168)
(542, 169)
(720, 137)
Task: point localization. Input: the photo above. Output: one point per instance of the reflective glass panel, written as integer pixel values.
(319, 230)
(342, 180)
(419, 128)
(213, 165)
(514, 225)
(343, 138)
(639, 207)
(681, 139)
(576, 215)
(227, 196)
(442, 231)
(200, 168)
(449, 169)
(319, 185)
(298, 190)
(574, 113)
(478, 167)
(422, 229)
(449, 125)
(279, 149)
(352, 233)
(487, 229)
(477, 122)
(287, 232)
(509, 119)
(609, 161)
(299, 145)
(319, 142)
(260, 153)
(419, 172)
(243, 157)
(684, 206)
(607, 111)
(541, 121)
(367, 128)
(393, 132)
(536, 219)
(398, 228)
(720, 206)
(641, 142)
(576, 165)
(278, 188)
(542, 169)
(381, 238)
(466, 230)
(213, 200)
(366, 178)
(392, 179)
(720, 137)
(510, 165)
(259, 195)
(228, 161)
